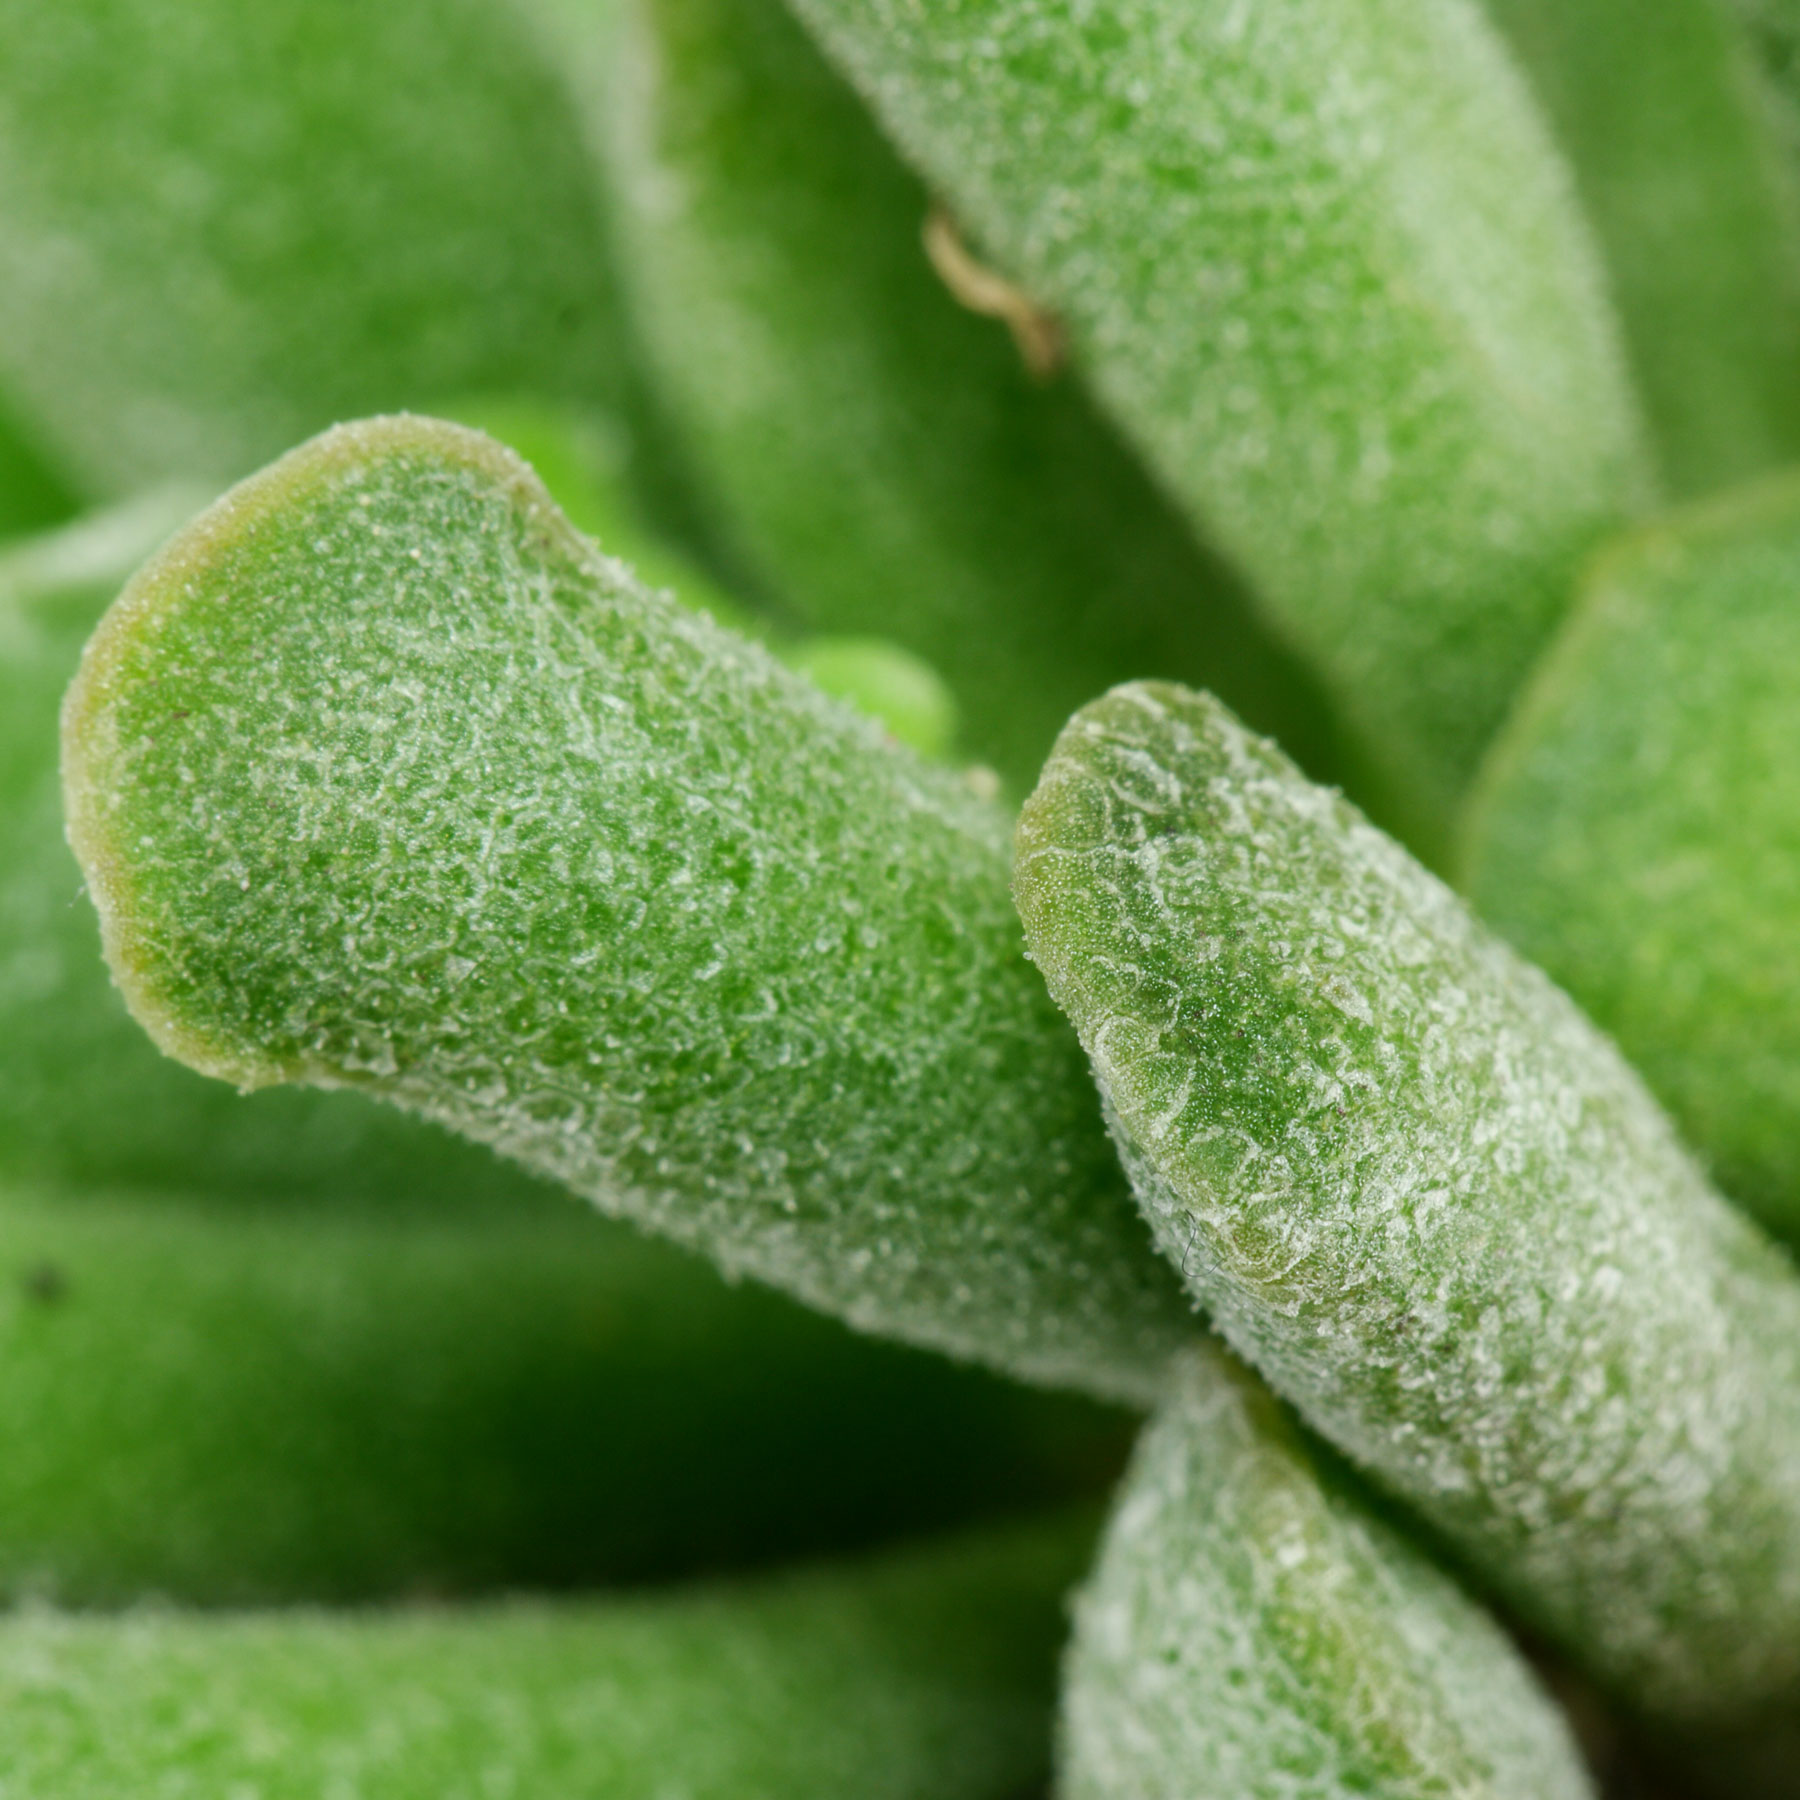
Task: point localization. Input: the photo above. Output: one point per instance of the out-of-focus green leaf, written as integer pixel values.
(223, 226)
(901, 691)
(1667, 123)
(925, 1676)
(231, 1402)
(32, 495)
(1637, 829)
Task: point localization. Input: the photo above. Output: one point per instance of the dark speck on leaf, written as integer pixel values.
(45, 1283)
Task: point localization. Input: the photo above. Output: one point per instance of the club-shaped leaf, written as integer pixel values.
(1636, 829)
(382, 776)
(1428, 1200)
(69, 1053)
(1253, 1629)
(1322, 261)
(342, 1352)
(1773, 27)
(875, 452)
(925, 1676)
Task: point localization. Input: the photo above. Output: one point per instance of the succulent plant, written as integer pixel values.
(1010, 668)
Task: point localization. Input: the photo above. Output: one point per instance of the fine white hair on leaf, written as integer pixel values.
(1251, 1628)
(1327, 269)
(382, 776)
(1428, 1199)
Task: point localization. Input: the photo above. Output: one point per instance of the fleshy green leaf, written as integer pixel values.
(876, 453)
(1665, 120)
(1252, 1629)
(1420, 1192)
(926, 1676)
(381, 776)
(223, 226)
(1323, 263)
(230, 1403)
(1637, 831)
(350, 1354)
(69, 1053)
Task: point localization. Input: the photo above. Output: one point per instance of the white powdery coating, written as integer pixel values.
(381, 775)
(1252, 1631)
(1424, 1195)
(876, 452)
(1324, 264)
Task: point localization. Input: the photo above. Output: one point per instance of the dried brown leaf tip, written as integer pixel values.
(1043, 348)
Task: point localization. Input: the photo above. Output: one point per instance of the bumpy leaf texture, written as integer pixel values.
(1428, 1199)
(383, 776)
(1251, 1629)
(1324, 264)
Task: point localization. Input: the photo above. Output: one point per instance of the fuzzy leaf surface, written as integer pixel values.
(1325, 266)
(383, 776)
(1421, 1193)
(1251, 1628)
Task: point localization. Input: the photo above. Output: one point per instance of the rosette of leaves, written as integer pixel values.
(1373, 320)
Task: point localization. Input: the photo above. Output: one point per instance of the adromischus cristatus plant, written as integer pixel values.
(1355, 332)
